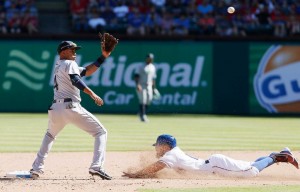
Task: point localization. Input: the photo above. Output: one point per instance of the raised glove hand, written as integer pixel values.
(108, 43)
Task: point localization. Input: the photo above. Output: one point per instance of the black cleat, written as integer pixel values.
(101, 173)
(35, 174)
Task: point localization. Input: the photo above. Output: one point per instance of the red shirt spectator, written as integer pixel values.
(78, 6)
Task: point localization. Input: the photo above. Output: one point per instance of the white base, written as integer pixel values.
(18, 174)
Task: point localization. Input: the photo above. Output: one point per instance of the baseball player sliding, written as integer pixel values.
(66, 106)
(145, 85)
(171, 156)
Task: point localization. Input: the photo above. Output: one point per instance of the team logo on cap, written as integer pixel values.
(277, 81)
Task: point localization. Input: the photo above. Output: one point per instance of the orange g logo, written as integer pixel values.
(277, 81)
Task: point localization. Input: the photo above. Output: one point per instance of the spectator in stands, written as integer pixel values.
(135, 23)
(110, 17)
(285, 8)
(263, 16)
(153, 22)
(293, 25)
(175, 8)
(223, 26)
(279, 23)
(95, 22)
(7, 4)
(205, 7)
(30, 7)
(77, 8)
(238, 22)
(11, 10)
(158, 4)
(121, 10)
(143, 6)
(181, 25)
(166, 24)
(14, 23)
(221, 8)
(297, 8)
(3, 24)
(81, 23)
(29, 22)
(207, 24)
(265, 23)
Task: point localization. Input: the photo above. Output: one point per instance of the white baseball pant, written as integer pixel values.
(62, 113)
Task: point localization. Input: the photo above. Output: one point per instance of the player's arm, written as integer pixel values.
(90, 69)
(147, 171)
(77, 82)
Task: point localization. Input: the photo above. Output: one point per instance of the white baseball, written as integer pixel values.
(230, 10)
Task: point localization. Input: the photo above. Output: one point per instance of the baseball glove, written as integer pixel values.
(108, 42)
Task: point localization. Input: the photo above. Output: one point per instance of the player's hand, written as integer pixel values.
(129, 175)
(139, 88)
(104, 52)
(97, 99)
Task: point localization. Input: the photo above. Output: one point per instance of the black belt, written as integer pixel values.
(65, 100)
(206, 161)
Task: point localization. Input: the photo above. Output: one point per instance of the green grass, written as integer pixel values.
(24, 133)
(232, 189)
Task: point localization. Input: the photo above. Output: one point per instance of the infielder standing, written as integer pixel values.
(173, 157)
(145, 84)
(66, 108)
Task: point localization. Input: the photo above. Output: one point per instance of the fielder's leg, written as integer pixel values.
(38, 164)
(142, 96)
(89, 123)
(55, 125)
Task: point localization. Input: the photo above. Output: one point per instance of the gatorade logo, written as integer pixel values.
(277, 81)
(26, 70)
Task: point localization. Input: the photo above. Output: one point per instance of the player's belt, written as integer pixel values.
(206, 161)
(62, 100)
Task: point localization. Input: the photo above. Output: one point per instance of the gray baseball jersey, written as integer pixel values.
(147, 73)
(63, 87)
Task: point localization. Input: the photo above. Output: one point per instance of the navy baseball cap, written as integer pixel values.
(67, 45)
(166, 139)
(150, 55)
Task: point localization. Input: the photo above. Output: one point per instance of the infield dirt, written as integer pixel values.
(69, 172)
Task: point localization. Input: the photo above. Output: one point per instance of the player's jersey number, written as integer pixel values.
(55, 83)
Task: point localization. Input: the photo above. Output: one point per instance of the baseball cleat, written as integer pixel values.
(101, 173)
(144, 118)
(35, 174)
(285, 156)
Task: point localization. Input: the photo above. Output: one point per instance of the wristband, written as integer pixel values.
(99, 61)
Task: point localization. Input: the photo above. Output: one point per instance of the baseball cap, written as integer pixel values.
(150, 55)
(166, 139)
(67, 45)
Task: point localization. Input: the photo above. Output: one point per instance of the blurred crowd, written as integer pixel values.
(18, 16)
(278, 18)
(182, 17)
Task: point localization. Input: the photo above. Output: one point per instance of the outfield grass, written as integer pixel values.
(24, 133)
(233, 189)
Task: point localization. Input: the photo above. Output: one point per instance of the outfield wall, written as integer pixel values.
(247, 78)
